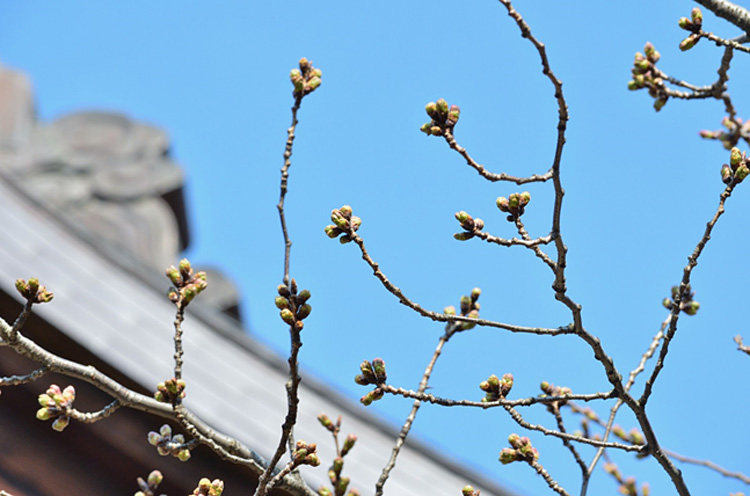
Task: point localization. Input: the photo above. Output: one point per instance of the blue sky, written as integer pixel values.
(640, 188)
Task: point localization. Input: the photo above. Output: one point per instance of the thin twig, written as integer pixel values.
(178, 351)
(533, 400)
(284, 184)
(490, 176)
(17, 380)
(90, 418)
(709, 464)
(692, 262)
(555, 407)
(412, 415)
(441, 317)
(552, 483)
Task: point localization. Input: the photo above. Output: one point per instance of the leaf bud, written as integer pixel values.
(691, 307)
(281, 302)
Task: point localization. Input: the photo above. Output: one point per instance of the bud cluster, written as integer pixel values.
(469, 308)
(470, 225)
(735, 129)
(306, 79)
(187, 284)
(520, 450)
(443, 118)
(294, 307)
(56, 404)
(33, 291)
(372, 373)
(305, 454)
(170, 391)
(552, 390)
(339, 484)
(148, 487)
(628, 485)
(634, 437)
(343, 223)
(208, 487)
(645, 75)
(496, 389)
(166, 444)
(514, 205)
(687, 304)
(737, 169)
(469, 491)
(694, 25)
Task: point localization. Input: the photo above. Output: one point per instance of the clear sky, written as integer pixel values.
(640, 188)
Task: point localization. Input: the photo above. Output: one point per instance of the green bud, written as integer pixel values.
(651, 53)
(304, 311)
(660, 102)
(442, 107)
(741, 174)
(462, 217)
(686, 24)
(735, 157)
(355, 223)
(332, 231)
(632, 85)
(183, 455)
(667, 302)
(463, 236)
(43, 414)
(467, 491)
(60, 423)
(697, 17)
(287, 316)
(475, 293)
(689, 42)
(303, 296)
(691, 307)
(449, 310)
(453, 114)
(313, 84)
(426, 128)
(338, 218)
(431, 109)
(21, 286)
(503, 204)
(185, 267)
(436, 131)
(349, 443)
(281, 302)
(155, 478)
(525, 198)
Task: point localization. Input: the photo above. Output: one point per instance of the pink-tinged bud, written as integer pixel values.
(706, 134)
(185, 267)
(154, 438)
(324, 491)
(524, 198)
(507, 455)
(174, 275)
(355, 223)
(503, 204)
(689, 42)
(453, 114)
(155, 478)
(338, 218)
(686, 24)
(651, 53)
(349, 443)
(478, 224)
(312, 460)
